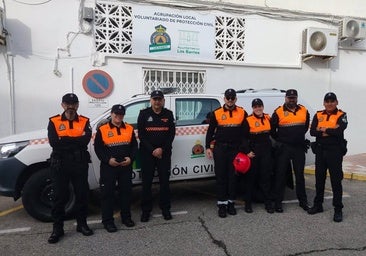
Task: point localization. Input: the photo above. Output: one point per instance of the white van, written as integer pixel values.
(24, 169)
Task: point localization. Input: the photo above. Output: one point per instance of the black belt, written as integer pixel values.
(227, 144)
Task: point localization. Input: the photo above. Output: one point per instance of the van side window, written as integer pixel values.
(194, 111)
(133, 111)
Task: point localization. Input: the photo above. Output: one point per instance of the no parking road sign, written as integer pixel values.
(98, 83)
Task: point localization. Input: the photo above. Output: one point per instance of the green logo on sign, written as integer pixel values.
(160, 40)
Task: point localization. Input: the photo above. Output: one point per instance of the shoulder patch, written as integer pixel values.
(344, 118)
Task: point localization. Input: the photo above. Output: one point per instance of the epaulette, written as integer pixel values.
(144, 109)
(54, 116)
(84, 116)
(278, 107)
(217, 109)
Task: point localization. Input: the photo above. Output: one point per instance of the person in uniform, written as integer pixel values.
(69, 135)
(289, 124)
(261, 162)
(228, 129)
(115, 145)
(156, 131)
(328, 127)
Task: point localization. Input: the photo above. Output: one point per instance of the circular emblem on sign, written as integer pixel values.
(98, 83)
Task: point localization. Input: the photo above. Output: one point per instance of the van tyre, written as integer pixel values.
(38, 195)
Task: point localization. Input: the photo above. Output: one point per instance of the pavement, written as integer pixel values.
(354, 167)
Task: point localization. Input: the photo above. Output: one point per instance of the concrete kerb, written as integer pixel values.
(354, 167)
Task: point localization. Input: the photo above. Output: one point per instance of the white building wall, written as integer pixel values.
(336, 7)
(37, 31)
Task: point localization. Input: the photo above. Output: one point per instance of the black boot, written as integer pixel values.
(338, 215)
(248, 207)
(315, 209)
(231, 208)
(84, 229)
(57, 233)
(222, 210)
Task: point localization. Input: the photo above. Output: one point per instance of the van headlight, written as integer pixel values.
(11, 149)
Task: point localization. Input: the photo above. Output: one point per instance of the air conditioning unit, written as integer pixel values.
(352, 28)
(2, 34)
(320, 42)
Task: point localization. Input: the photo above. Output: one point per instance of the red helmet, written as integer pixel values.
(241, 163)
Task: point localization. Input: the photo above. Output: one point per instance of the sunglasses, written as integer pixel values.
(157, 99)
(230, 98)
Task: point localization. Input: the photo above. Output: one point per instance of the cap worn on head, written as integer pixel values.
(70, 98)
(257, 102)
(230, 93)
(330, 96)
(118, 109)
(157, 94)
(291, 93)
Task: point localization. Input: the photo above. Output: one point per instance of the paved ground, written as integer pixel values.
(354, 167)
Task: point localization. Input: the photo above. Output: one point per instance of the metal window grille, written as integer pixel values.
(113, 28)
(230, 39)
(179, 81)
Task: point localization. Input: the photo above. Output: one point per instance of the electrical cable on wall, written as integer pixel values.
(85, 27)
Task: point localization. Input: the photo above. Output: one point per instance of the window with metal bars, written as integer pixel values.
(174, 81)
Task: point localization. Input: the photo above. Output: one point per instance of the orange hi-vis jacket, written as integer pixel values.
(227, 126)
(115, 142)
(259, 133)
(288, 118)
(259, 125)
(111, 137)
(224, 119)
(335, 124)
(328, 121)
(290, 126)
(64, 129)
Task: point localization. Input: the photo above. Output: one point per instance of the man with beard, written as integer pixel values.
(69, 135)
(289, 124)
(229, 129)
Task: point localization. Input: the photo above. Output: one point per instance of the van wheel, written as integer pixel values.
(38, 196)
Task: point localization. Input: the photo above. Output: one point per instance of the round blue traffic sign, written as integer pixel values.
(97, 83)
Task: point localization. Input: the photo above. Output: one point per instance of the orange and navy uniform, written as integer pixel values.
(69, 140)
(290, 126)
(115, 142)
(156, 130)
(65, 135)
(259, 132)
(335, 122)
(227, 126)
(329, 154)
